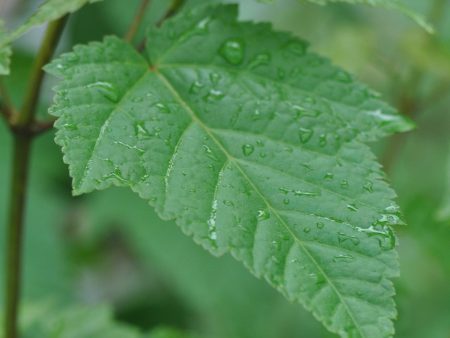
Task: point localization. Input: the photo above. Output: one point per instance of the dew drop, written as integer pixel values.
(106, 89)
(202, 26)
(70, 126)
(305, 134)
(215, 78)
(284, 190)
(393, 209)
(256, 115)
(212, 228)
(320, 225)
(162, 108)
(297, 47)
(140, 130)
(263, 215)
(248, 149)
(261, 59)
(207, 149)
(323, 140)
(368, 186)
(352, 207)
(344, 183)
(383, 233)
(306, 193)
(342, 76)
(228, 203)
(306, 230)
(232, 50)
(329, 176)
(196, 87)
(214, 95)
(343, 258)
(342, 237)
(390, 219)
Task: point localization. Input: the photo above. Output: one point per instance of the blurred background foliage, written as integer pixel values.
(107, 255)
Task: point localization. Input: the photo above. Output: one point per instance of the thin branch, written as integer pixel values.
(23, 137)
(6, 107)
(14, 242)
(51, 38)
(137, 20)
(39, 128)
(5, 112)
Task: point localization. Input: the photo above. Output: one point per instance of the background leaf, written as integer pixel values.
(46, 319)
(444, 211)
(250, 192)
(5, 52)
(49, 10)
(389, 4)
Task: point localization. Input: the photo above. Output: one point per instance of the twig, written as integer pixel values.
(23, 138)
(41, 127)
(137, 20)
(6, 107)
(52, 35)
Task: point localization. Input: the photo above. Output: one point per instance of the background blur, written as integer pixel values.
(110, 248)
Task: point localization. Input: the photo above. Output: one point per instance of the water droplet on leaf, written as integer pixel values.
(352, 207)
(248, 149)
(232, 50)
(305, 134)
(263, 215)
(108, 90)
(259, 60)
(297, 47)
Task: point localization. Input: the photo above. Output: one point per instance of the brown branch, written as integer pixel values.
(23, 138)
(137, 20)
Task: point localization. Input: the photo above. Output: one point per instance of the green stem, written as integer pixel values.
(23, 136)
(437, 11)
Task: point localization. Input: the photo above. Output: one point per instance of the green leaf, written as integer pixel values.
(5, 52)
(443, 213)
(254, 146)
(44, 319)
(48, 11)
(389, 4)
(169, 333)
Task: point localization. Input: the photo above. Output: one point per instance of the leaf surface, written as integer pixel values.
(48, 11)
(254, 146)
(388, 4)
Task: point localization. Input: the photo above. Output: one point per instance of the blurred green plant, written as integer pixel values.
(217, 292)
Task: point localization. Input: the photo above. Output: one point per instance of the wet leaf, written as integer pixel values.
(255, 147)
(49, 10)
